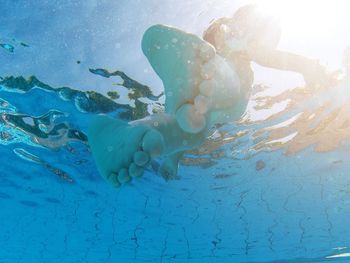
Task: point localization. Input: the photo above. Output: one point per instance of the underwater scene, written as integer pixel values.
(174, 131)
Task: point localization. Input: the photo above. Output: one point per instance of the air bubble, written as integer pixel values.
(110, 148)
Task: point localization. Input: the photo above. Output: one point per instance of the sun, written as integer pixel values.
(307, 18)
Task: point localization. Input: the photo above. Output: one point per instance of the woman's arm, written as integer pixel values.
(280, 59)
(311, 69)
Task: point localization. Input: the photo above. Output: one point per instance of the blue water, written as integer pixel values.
(234, 203)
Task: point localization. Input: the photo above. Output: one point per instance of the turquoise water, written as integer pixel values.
(239, 200)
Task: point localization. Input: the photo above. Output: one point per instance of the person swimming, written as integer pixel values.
(206, 81)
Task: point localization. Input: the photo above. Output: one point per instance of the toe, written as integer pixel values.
(123, 176)
(202, 104)
(206, 52)
(208, 70)
(189, 119)
(141, 158)
(207, 87)
(113, 179)
(135, 170)
(153, 143)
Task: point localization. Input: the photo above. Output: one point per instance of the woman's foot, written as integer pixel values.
(121, 150)
(196, 80)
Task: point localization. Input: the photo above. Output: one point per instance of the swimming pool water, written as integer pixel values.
(239, 200)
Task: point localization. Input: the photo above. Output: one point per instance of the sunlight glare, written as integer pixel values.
(306, 18)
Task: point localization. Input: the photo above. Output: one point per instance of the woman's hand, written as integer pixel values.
(317, 75)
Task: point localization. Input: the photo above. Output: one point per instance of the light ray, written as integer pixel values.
(308, 19)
